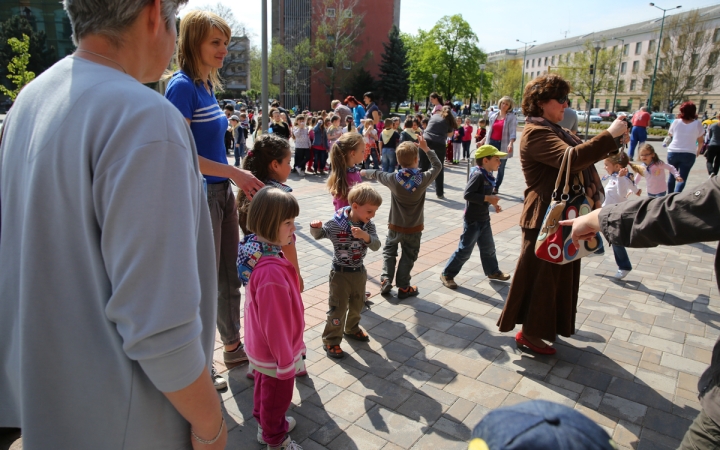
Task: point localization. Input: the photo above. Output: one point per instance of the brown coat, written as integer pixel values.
(543, 296)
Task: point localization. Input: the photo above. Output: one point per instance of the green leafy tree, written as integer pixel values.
(293, 63)
(394, 70)
(256, 73)
(359, 83)
(17, 68)
(42, 55)
(505, 80)
(575, 68)
(339, 29)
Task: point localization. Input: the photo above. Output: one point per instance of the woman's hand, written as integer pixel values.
(584, 227)
(246, 181)
(618, 128)
(510, 148)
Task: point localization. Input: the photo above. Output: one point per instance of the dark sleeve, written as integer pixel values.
(676, 219)
(475, 188)
(543, 145)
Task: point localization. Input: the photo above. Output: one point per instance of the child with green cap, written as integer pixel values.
(476, 221)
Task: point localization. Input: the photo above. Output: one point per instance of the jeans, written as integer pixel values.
(375, 159)
(389, 159)
(478, 233)
(659, 194)
(503, 161)
(321, 157)
(466, 149)
(683, 162)
(439, 149)
(713, 159)
(621, 257)
(301, 157)
(410, 250)
(638, 135)
(271, 400)
(239, 152)
(224, 218)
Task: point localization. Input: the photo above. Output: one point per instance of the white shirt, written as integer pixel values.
(618, 189)
(685, 136)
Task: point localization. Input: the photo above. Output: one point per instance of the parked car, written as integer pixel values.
(608, 115)
(582, 115)
(661, 119)
(707, 122)
(625, 113)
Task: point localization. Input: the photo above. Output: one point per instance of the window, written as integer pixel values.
(330, 12)
(527, 64)
(347, 65)
(646, 84)
(713, 58)
(626, 49)
(633, 83)
(546, 60)
(703, 106)
(648, 65)
(661, 64)
(614, 50)
(651, 46)
(610, 85)
(552, 60)
(716, 35)
(623, 67)
(678, 62)
(682, 41)
(607, 103)
(330, 64)
(621, 86)
(699, 38)
(708, 81)
(560, 59)
(347, 13)
(629, 104)
(597, 102)
(638, 48)
(532, 75)
(533, 63)
(694, 60)
(636, 66)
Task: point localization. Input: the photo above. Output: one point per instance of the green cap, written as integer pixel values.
(487, 151)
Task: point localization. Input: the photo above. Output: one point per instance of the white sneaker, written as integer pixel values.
(218, 380)
(291, 425)
(288, 444)
(301, 172)
(621, 274)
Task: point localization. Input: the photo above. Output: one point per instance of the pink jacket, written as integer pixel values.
(352, 179)
(655, 177)
(274, 319)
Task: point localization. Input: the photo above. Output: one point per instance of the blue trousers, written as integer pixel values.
(389, 159)
(375, 159)
(638, 135)
(503, 161)
(621, 257)
(683, 162)
(478, 233)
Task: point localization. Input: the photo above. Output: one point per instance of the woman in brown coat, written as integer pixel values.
(543, 296)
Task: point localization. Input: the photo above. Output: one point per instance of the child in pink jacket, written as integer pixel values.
(274, 313)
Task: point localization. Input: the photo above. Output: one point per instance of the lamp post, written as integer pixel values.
(482, 72)
(264, 64)
(434, 78)
(592, 93)
(522, 80)
(657, 55)
(617, 79)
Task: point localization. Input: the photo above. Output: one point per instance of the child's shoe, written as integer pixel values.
(448, 282)
(334, 351)
(385, 287)
(288, 444)
(620, 274)
(291, 425)
(410, 291)
(499, 276)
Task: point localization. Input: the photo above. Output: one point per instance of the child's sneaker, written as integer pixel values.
(448, 282)
(499, 276)
(410, 291)
(301, 172)
(219, 381)
(620, 274)
(288, 444)
(235, 358)
(291, 425)
(385, 287)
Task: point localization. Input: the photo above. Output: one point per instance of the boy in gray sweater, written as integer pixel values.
(406, 221)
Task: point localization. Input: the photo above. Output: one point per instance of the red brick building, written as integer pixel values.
(294, 20)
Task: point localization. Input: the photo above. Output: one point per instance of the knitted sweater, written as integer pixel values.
(274, 319)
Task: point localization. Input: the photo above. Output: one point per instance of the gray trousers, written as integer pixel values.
(410, 243)
(703, 434)
(347, 298)
(224, 217)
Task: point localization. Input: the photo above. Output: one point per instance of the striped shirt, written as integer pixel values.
(349, 251)
(207, 121)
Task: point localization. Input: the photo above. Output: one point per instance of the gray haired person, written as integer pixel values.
(108, 283)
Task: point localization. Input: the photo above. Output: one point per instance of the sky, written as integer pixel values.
(498, 24)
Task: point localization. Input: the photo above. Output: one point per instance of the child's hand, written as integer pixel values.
(639, 192)
(363, 173)
(316, 224)
(358, 233)
(497, 207)
(679, 179)
(422, 143)
(623, 172)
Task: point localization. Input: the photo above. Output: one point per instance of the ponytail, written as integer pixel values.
(337, 182)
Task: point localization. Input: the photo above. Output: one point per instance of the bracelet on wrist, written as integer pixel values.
(212, 441)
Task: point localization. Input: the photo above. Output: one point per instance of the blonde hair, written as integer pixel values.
(507, 100)
(195, 27)
(406, 154)
(268, 210)
(364, 194)
(623, 160)
(337, 181)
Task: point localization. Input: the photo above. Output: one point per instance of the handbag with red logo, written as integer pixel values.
(554, 243)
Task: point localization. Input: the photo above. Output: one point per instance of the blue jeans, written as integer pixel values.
(683, 162)
(621, 257)
(389, 160)
(638, 135)
(375, 159)
(239, 152)
(501, 169)
(478, 233)
(660, 194)
(410, 243)
(321, 157)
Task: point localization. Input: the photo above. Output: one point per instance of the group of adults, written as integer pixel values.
(108, 317)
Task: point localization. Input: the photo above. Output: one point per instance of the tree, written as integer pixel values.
(294, 65)
(41, 56)
(336, 41)
(256, 73)
(575, 69)
(359, 83)
(237, 27)
(687, 64)
(505, 80)
(17, 68)
(394, 70)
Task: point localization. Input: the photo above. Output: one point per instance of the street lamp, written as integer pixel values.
(592, 93)
(657, 55)
(617, 79)
(522, 81)
(482, 69)
(434, 78)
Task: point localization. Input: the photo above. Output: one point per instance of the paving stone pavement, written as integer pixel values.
(436, 363)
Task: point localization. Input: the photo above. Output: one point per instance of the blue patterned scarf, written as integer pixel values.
(488, 176)
(342, 218)
(278, 185)
(250, 251)
(352, 169)
(410, 179)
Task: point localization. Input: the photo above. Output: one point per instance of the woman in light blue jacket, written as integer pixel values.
(502, 126)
